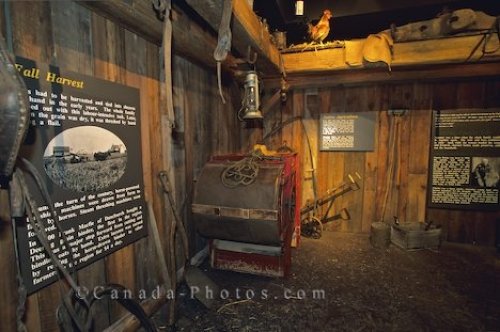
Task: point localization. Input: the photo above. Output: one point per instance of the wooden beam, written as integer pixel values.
(189, 39)
(247, 30)
(136, 16)
(425, 52)
(379, 75)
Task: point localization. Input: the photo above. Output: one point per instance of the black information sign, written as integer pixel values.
(84, 139)
(347, 131)
(465, 159)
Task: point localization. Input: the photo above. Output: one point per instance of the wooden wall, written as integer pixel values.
(73, 38)
(409, 155)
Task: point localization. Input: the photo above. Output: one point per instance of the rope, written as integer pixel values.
(241, 173)
(219, 81)
(485, 40)
(223, 42)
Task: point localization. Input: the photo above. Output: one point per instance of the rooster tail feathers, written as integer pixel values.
(310, 27)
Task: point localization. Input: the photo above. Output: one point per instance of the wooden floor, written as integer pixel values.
(454, 289)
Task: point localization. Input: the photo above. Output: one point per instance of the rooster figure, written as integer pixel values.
(317, 33)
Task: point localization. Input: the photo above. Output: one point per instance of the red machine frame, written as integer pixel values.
(265, 259)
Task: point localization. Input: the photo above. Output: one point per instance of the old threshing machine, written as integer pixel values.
(246, 205)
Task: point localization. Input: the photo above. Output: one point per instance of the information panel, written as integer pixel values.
(465, 159)
(347, 131)
(84, 139)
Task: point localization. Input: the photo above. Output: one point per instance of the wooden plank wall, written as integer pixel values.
(72, 37)
(409, 155)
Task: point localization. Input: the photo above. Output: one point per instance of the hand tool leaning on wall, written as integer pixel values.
(311, 225)
(176, 225)
(197, 281)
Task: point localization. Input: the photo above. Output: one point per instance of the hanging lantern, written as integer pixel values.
(299, 7)
(251, 101)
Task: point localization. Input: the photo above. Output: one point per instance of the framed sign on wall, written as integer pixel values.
(347, 131)
(465, 159)
(84, 139)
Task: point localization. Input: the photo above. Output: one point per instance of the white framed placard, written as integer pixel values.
(347, 131)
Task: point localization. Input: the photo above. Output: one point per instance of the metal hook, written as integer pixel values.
(254, 59)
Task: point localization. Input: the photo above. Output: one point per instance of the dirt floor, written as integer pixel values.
(341, 283)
